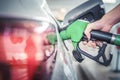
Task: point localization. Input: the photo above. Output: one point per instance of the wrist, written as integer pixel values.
(105, 25)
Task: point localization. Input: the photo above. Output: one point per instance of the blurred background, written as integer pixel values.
(90, 70)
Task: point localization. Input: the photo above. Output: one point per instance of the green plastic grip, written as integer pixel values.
(74, 32)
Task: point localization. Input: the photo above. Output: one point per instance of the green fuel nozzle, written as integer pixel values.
(75, 32)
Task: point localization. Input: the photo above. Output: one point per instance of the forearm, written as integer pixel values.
(106, 22)
(112, 17)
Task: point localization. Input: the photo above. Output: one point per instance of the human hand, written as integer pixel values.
(98, 25)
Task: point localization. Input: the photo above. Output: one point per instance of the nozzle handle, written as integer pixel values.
(101, 36)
